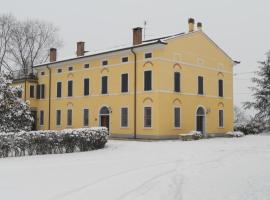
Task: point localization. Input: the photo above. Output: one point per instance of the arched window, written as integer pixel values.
(104, 111)
(200, 112)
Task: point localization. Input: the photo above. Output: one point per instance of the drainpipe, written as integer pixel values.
(135, 93)
(49, 117)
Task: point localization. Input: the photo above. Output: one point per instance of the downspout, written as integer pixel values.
(135, 93)
(49, 116)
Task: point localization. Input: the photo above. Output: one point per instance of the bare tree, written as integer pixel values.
(29, 44)
(6, 25)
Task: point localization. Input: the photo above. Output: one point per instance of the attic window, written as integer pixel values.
(125, 59)
(86, 66)
(105, 62)
(59, 70)
(148, 55)
(70, 68)
(42, 73)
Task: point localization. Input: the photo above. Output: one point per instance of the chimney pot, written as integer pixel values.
(191, 23)
(53, 54)
(137, 36)
(80, 49)
(199, 26)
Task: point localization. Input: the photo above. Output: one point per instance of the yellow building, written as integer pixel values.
(155, 89)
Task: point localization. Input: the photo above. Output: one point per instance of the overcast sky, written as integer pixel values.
(240, 27)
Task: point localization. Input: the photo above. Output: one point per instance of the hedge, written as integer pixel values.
(52, 142)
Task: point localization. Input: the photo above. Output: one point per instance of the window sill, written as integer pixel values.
(202, 95)
(124, 127)
(221, 127)
(147, 128)
(177, 128)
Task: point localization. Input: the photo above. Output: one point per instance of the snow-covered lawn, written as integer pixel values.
(214, 169)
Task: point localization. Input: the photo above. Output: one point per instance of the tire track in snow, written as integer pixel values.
(103, 179)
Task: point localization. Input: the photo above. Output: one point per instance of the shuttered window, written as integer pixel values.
(59, 89)
(221, 118)
(177, 81)
(86, 86)
(69, 117)
(85, 117)
(124, 117)
(200, 85)
(58, 117)
(104, 85)
(147, 117)
(147, 80)
(220, 88)
(70, 88)
(124, 83)
(32, 91)
(177, 113)
(41, 118)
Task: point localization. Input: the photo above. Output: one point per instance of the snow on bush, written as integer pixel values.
(192, 135)
(52, 142)
(235, 134)
(15, 114)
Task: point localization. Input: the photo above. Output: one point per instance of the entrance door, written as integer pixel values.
(34, 124)
(104, 117)
(200, 120)
(105, 121)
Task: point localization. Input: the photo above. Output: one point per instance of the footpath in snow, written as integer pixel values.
(213, 169)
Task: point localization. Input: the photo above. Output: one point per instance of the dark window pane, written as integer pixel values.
(70, 88)
(177, 117)
(85, 117)
(125, 59)
(42, 91)
(200, 85)
(58, 117)
(148, 117)
(32, 91)
(148, 55)
(69, 117)
(104, 89)
(124, 117)
(41, 118)
(42, 73)
(70, 68)
(86, 66)
(38, 91)
(124, 84)
(220, 88)
(59, 70)
(105, 62)
(221, 118)
(59, 89)
(86, 86)
(147, 80)
(177, 81)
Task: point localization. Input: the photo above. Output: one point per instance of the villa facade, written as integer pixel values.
(154, 89)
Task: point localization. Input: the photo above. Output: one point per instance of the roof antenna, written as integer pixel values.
(144, 23)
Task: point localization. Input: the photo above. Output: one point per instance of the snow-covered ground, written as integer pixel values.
(214, 169)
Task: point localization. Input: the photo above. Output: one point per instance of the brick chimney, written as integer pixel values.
(199, 26)
(80, 49)
(53, 54)
(137, 36)
(191, 23)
